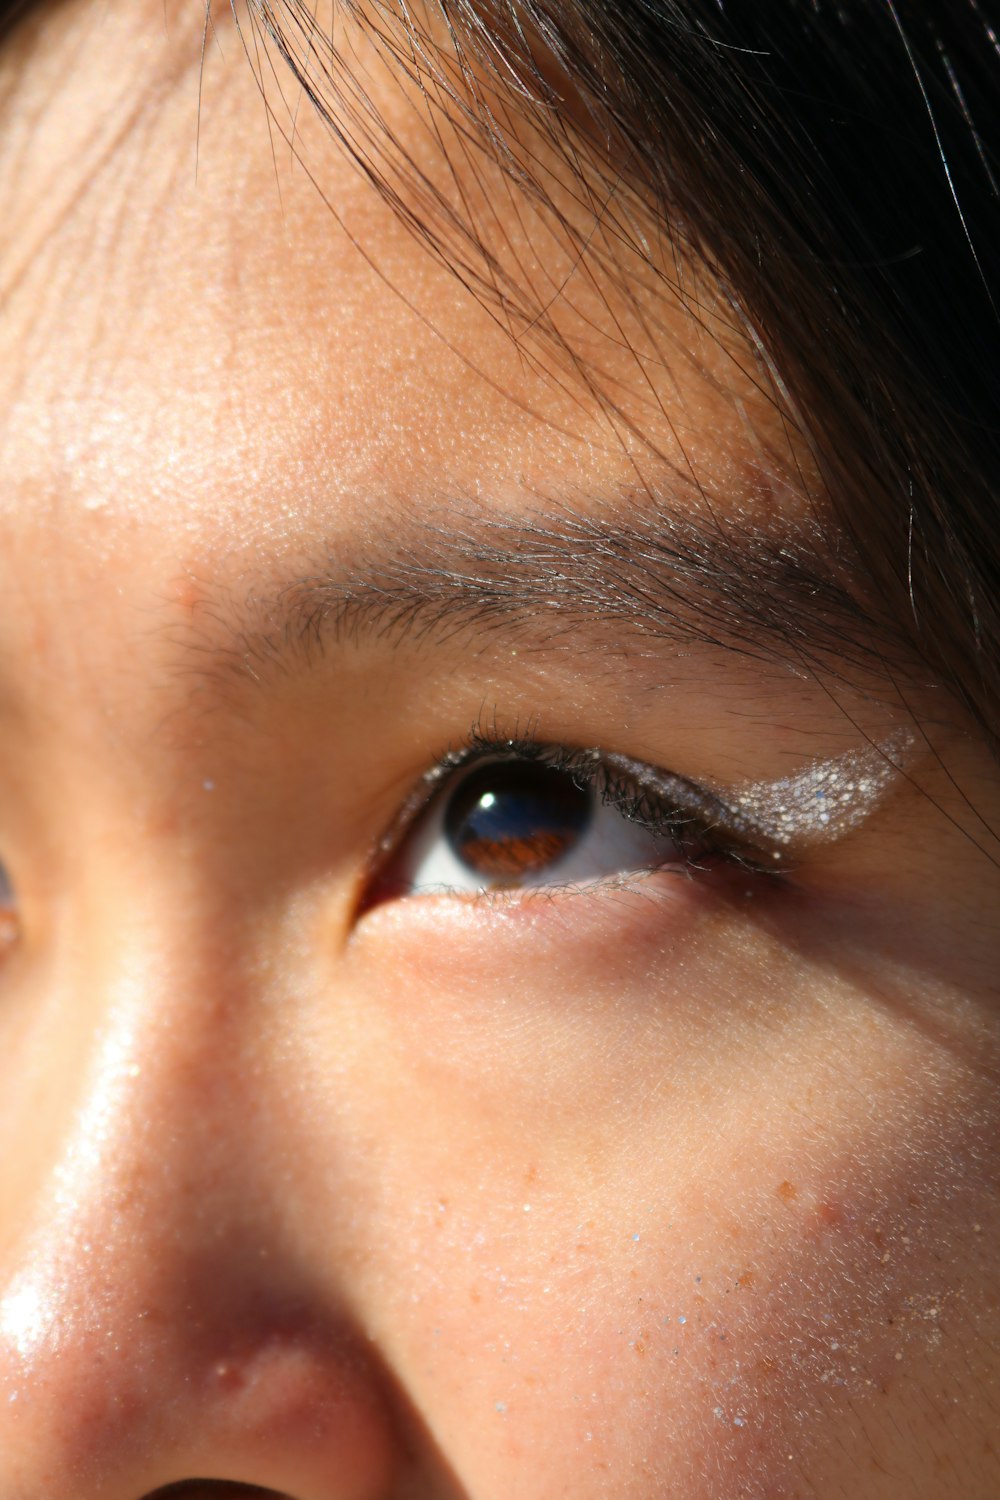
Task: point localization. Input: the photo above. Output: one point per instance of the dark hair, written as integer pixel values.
(835, 163)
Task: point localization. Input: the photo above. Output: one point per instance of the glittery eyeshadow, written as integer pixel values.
(825, 800)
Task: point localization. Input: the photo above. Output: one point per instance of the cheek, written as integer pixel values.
(718, 1223)
(698, 1323)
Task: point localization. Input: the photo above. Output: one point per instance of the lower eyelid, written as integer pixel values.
(473, 936)
(672, 894)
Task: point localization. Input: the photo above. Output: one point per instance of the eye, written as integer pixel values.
(520, 821)
(10, 926)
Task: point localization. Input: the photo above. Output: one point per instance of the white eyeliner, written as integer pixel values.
(825, 800)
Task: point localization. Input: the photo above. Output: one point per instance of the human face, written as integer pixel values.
(677, 1180)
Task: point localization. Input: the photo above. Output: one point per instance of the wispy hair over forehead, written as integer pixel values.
(820, 177)
(502, 172)
(833, 168)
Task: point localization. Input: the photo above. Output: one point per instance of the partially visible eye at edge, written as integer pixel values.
(10, 926)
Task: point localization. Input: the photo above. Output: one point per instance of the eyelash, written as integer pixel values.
(660, 803)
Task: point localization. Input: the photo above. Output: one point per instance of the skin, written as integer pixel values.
(663, 1186)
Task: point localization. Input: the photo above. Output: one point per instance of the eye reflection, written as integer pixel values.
(505, 822)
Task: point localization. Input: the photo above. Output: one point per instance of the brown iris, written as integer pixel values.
(506, 821)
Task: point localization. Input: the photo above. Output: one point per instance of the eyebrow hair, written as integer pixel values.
(610, 575)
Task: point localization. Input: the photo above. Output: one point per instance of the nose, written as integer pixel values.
(168, 1324)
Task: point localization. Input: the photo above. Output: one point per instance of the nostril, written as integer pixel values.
(214, 1489)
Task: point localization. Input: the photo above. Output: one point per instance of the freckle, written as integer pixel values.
(747, 1279)
(830, 1214)
(531, 1175)
(786, 1192)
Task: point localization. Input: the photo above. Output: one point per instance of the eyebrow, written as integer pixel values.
(576, 578)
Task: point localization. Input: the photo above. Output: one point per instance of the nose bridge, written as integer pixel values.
(141, 1016)
(156, 1324)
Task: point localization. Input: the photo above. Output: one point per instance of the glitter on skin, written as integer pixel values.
(827, 799)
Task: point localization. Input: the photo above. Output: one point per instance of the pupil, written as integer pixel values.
(507, 821)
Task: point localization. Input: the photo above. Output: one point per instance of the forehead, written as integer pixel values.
(213, 319)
